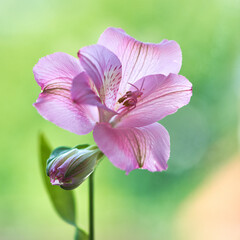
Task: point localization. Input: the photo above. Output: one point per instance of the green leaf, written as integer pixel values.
(63, 201)
(80, 235)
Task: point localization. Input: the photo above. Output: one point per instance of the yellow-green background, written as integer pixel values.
(204, 143)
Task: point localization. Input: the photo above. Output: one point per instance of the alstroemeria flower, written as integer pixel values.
(119, 88)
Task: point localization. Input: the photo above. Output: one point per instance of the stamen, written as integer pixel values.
(130, 98)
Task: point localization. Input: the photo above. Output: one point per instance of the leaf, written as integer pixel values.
(80, 235)
(63, 201)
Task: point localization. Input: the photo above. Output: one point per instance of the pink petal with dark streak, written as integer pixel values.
(161, 96)
(141, 59)
(54, 73)
(130, 148)
(105, 70)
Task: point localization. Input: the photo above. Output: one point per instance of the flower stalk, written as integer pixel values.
(91, 207)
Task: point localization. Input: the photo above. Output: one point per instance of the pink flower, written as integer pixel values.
(119, 88)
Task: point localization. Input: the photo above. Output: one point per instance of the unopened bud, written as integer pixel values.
(69, 167)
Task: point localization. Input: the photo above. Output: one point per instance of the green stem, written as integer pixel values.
(91, 208)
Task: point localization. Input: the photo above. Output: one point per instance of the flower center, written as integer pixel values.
(130, 99)
(128, 102)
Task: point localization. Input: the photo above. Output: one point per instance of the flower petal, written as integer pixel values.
(105, 70)
(162, 95)
(57, 67)
(54, 73)
(130, 148)
(83, 92)
(141, 59)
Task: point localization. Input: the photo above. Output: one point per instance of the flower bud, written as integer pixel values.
(69, 167)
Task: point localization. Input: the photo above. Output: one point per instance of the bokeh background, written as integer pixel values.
(199, 196)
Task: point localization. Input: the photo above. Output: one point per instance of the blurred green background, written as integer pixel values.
(204, 139)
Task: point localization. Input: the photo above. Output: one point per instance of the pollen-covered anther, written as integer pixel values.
(130, 98)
